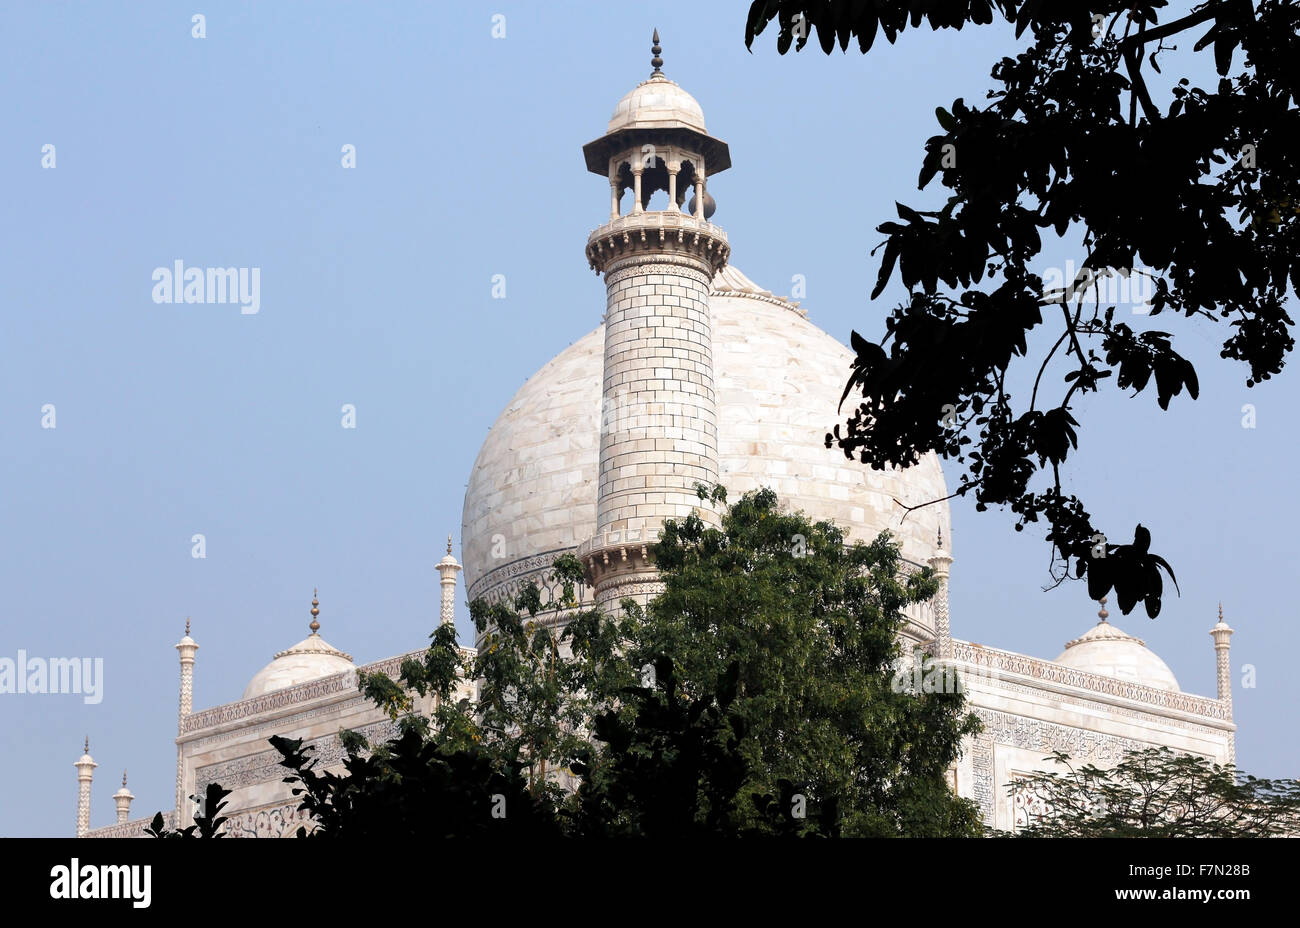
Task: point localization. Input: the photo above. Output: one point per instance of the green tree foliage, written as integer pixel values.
(416, 788)
(1156, 793)
(463, 770)
(768, 685)
(754, 697)
(1201, 188)
(207, 821)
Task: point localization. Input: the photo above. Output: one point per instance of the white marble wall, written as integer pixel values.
(659, 434)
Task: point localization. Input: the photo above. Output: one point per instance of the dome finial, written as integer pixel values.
(449, 542)
(1220, 610)
(656, 62)
(315, 611)
(1102, 613)
(187, 626)
(124, 778)
(87, 744)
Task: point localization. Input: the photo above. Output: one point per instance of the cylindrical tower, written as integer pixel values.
(85, 773)
(1223, 674)
(448, 568)
(1223, 666)
(658, 434)
(186, 647)
(941, 564)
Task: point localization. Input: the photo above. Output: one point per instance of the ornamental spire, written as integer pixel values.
(656, 62)
(315, 611)
(1102, 613)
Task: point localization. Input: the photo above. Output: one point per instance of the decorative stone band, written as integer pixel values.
(655, 233)
(265, 767)
(1013, 665)
(277, 821)
(503, 583)
(132, 829)
(641, 588)
(509, 576)
(764, 297)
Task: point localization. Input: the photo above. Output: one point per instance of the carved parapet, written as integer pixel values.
(657, 233)
(1008, 665)
(624, 552)
(336, 686)
(132, 829)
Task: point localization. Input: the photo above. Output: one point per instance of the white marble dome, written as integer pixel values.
(657, 103)
(1107, 650)
(532, 491)
(309, 659)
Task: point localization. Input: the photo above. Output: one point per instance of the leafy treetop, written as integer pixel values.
(1201, 190)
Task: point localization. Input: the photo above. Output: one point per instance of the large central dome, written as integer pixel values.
(532, 492)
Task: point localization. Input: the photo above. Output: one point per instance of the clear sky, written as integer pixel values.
(375, 290)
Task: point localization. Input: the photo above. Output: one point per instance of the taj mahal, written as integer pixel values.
(696, 374)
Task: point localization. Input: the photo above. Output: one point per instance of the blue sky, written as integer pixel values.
(376, 291)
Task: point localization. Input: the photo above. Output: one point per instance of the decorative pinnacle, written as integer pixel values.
(187, 626)
(449, 550)
(124, 778)
(940, 536)
(656, 62)
(315, 611)
(1220, 610)
(1102, 613)
(87, 744)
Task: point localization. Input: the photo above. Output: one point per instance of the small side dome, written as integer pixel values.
(309, 659)
(1107, 650)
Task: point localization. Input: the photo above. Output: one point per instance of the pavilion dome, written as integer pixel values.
(309, 659)
(532, 491)
(657, 103)
(1109, 651)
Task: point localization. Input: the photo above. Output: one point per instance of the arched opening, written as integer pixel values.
(685, 184)
(625, 186)
(655, 183)
(654, 180)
